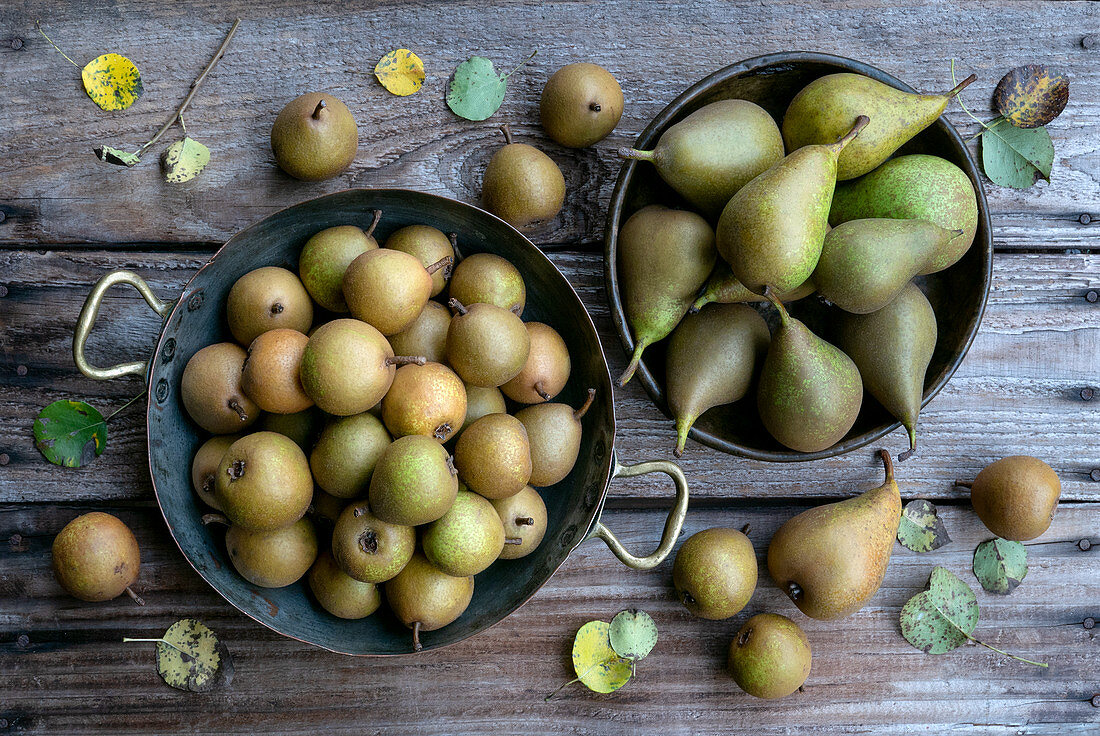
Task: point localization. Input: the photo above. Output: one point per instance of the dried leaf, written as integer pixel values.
(112, 81)
(70, 433)
(921, 529)
(1031, 96)
(477, 91)
(116, 156)
(595, 662)
(1016, 157)
(190, 657)
(1000, 565)
(632, 634)
(401, 72)
(183, 160)
(941, 618)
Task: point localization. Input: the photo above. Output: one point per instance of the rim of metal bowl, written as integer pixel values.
(645, 140)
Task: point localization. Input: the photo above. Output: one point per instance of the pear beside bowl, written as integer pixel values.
(958, 294)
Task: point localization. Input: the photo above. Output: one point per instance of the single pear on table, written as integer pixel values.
(712, 359)
(827, 107)
(769, 656)
(772, 230)
(1016, 497)
(892, 348)
(864, 264)
(914, 187)
(831, 559)
(665, 255)
(810, 392)
(714, 151)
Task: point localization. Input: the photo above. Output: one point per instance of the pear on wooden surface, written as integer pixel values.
(831, 559)
(1016, 497)
(772, 230)
(810, 392)
(769, 656)
(715, 573)
(712, 358)
(665, 255)
(864, 264)
(827, 107)
(314, 137)
(892, 348)
(714, 151)
(722, 287)
(915, 187)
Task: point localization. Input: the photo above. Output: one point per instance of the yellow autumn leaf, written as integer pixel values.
(401, 72)
(112, 81)
(595, 662)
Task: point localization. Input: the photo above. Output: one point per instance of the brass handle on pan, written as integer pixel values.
(87, 320)
(673, 524)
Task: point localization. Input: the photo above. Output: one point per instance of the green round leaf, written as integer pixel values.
(1031, 96)
(191, 658)
(1000, 565)
(183, 160)
(70, 433)
(116, 156)
(921, 529)
(1016, 157)
(595, 662)
(941, 618)
(632, 634)
(477, 91)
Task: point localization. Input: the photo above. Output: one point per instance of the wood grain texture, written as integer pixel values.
(72, 675)
(1018, 391)
(52, 189)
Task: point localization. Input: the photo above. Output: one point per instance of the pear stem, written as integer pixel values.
(507, 131)
(453, 237)
(374, 222)
(524, 521)
(963, 483)
(888, 464)
(513, 540)
(457, 306)
(542, 391)
(317, 110)
(745, 529)
(417, 646)
(583, 409)
(911, 430)
(960, 86)
(860, 124)
(214, 519)
(634, 154)
(441, 263)
(137, 598)
(406, 360)
(633, 364)
(769, 294)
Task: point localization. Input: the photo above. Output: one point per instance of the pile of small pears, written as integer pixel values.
(770, 223)
(388, 426)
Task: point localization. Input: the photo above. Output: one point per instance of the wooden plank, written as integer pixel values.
(1018, 391)
(53, 190)
(72, 675)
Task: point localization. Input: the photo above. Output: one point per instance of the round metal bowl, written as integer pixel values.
(197, 319)
(958, 294)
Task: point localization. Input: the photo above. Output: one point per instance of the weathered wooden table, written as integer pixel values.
(65, 220)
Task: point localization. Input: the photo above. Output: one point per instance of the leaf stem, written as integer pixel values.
(1001, 651)
(162, 640)
(116, 411)
(520, 66)
(194, 88)
(39, 27)
(963, 106)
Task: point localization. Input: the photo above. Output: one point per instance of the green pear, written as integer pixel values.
(712, 358)
(827, 106)
(714, 151)
(715, 573)
(723, 288)
(772, 230)
(466, 539)
(864, 264)
(770, 656)
(892, 348)
(810, 392)
(665, 255)
(831, 559)
(425, 598)
(915, 187)
(414, 482)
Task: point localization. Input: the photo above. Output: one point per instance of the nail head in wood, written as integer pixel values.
(1091, 296)
(1089, 622)
(1087, 393)
(1095, 474)
(1085, 218)
(21, 370)
(17, 43)
(23, 641)
(1084, 545)
(4, 459)
(1090, 41)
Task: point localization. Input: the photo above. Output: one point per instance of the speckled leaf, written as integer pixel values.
(921, 529)
(632, 634)
(1031, 96)
(191, 657)
(1000, 565)
(112, 81)
(1016, 157)
(476, 90)
(184, 160)
(941, 618)
(70, 433)
(116, 156)
(401, 72)
(595, 662)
